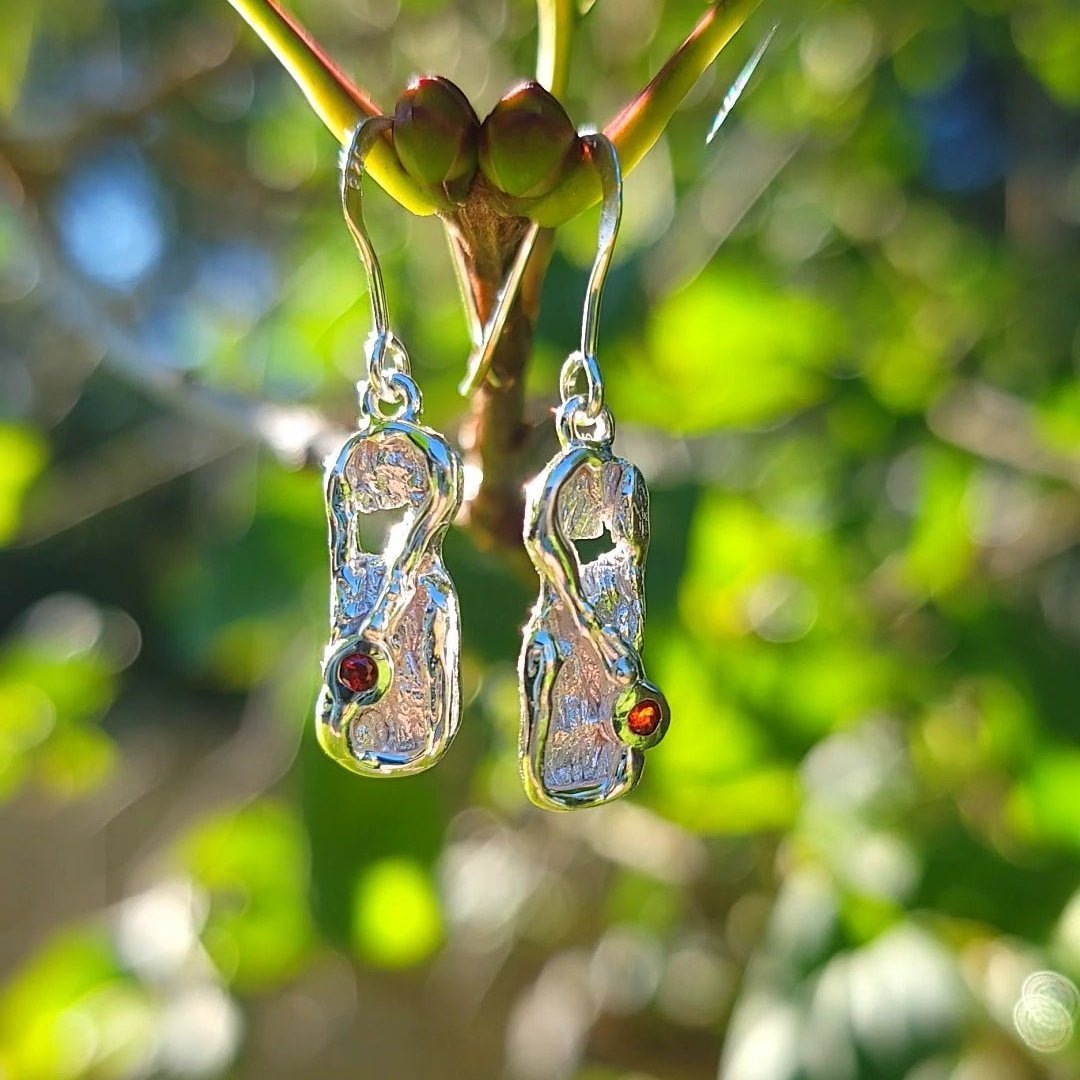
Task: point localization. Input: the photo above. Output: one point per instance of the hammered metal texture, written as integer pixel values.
(585, 617)
(397, 605)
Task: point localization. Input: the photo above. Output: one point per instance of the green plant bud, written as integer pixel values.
(435, 135)
(527, 143)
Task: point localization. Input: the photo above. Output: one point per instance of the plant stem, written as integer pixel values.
(642, 121)
(555, 27)
(494, 433)
(337, 101)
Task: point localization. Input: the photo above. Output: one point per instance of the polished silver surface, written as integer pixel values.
(580, 669)
(397, 605)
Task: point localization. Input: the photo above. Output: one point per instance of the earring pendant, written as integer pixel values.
(587, 710)
(391, 700)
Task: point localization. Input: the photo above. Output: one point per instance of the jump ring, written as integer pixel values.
(574, 424)
(580, 363)
(386, 357)
(399, 391)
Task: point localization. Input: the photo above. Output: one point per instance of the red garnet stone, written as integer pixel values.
(644, 718)
(358, 672)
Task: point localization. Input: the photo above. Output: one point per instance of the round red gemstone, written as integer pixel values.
(644, 718)
(358, 672)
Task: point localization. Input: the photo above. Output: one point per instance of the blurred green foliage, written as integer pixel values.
(843, 343)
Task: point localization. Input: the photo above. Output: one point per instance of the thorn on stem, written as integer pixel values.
(739, 85)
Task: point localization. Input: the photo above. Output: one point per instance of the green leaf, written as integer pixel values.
(396, 917)
(22, 457)
(1045, 804)
(71, 1013)
(75, 760)
(15, 44)
(49, 705)
(253, 864)
(941, 549)
(731, 349)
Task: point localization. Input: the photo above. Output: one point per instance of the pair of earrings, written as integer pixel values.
(390, 703)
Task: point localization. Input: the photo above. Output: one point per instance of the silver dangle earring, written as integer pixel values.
(391, 701)
(587, 710)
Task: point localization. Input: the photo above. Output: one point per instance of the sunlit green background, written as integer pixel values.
(842, 342)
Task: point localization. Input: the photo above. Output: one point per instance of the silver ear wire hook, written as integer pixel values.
(388, 367)
(583, 416)
(367, 132)
(606, 161)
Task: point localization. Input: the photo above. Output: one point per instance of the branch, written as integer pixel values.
(299, 436)
(494, 433)
(991, 424)
(126, 467)
(642, 121)
(339, 103)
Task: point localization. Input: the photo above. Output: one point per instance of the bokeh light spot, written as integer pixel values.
(1045, 1015)
(396, 918)
(109, 218)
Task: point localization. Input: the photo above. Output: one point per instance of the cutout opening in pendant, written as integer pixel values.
(384, 530)
(591, 549)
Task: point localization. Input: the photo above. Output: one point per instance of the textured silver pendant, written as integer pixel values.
(587, 711)
(391, 700)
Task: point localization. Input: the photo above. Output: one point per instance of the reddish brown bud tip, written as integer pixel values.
(528, 144)
(435, 135)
